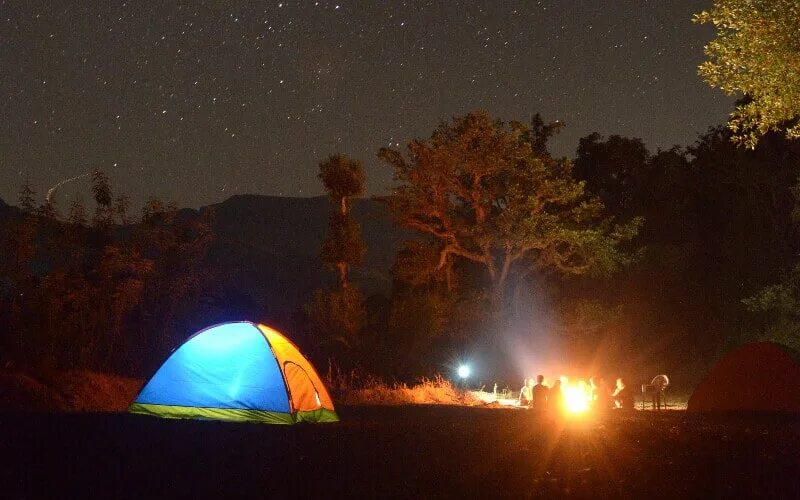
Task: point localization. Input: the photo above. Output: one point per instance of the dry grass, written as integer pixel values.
(91, 391)
(354, 389)
(66, 391)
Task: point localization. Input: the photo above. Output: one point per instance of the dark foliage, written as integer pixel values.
(718, 228)
(103, 296)
(713, 266)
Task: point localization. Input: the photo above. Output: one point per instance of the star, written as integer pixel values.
(297, 81)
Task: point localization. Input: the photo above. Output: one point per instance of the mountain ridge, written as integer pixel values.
(269, 246)
(267, 249)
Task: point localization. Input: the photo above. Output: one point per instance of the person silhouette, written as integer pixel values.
(601, 394)
(526, 393)
(539, 393)
(623, 397)
(555, 396)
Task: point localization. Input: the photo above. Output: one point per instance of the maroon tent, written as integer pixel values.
(761, 376)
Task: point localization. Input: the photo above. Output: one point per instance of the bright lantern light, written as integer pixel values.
(463, 371)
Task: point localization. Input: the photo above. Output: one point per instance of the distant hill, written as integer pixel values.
(6, 209)
(269, 246)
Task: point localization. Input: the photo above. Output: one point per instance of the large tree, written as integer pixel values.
(343, 179)
(717, 229)
(338, 313)
(488, 193)
(756, 53)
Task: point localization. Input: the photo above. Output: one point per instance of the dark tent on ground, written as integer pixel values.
(761, 376)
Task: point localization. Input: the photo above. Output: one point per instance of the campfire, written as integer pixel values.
(577, 395)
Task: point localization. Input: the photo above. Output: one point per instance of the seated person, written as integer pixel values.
(601, 394)
(623, 396)
(526, 393)
(539, 394)
(555, 397)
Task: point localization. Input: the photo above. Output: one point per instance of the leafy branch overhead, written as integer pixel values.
(756, 53)
(487, 192)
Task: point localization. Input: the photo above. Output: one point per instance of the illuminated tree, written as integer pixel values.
(488, 193)
(757, 53)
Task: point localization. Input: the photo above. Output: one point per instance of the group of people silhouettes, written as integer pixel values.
(536, 395)
(539, 396)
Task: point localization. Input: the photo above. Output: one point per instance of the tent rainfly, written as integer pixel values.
(238, 371)
(755, 377)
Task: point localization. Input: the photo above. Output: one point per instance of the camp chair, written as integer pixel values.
(656, 390)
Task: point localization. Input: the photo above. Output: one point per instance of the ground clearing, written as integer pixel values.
(402, 451)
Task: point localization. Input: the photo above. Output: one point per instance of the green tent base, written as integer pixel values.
(321, 415)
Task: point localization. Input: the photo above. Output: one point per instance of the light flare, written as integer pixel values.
(577, 395)
(575, 400)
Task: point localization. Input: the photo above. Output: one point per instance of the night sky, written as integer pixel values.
(195, 102)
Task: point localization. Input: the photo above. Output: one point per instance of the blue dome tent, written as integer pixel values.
(237, 371)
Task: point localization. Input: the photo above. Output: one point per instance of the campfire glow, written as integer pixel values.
(577, 395)
(576, 400)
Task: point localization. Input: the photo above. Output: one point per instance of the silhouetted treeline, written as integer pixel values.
(93, 289)
(709, 265)
(719, 227)
(718, 233)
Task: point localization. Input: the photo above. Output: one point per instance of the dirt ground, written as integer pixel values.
(408, 451)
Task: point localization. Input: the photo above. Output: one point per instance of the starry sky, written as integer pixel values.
(197, 101)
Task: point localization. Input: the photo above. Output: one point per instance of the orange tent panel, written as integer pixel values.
(306, 390)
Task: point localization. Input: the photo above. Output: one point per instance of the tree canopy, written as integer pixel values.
(91, 294)
(489, 193)
(343, 178)
(757, 53)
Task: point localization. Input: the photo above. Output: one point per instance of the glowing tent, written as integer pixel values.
(237, 371)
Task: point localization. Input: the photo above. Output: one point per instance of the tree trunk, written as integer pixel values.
(342, 273)
(508, 259)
